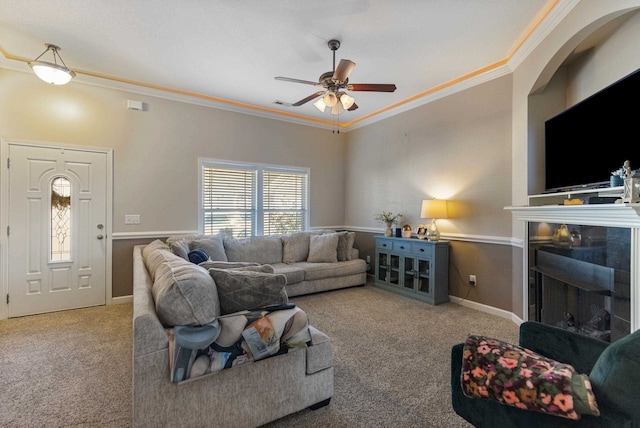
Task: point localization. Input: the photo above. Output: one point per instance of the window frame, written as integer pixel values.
(259, 168)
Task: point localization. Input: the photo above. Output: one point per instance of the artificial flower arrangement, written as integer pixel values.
(388, 217)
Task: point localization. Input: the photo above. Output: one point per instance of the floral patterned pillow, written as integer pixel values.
(516, 376)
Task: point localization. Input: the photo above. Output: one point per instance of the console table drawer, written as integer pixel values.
(401, 247)
(384, 244)
(422, 249)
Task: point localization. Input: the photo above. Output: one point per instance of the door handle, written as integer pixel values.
(100, 236)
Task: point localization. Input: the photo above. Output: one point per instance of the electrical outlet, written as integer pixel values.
(472, 280)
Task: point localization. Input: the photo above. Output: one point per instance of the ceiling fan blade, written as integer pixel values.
(372, 87)
(288, 79)
(343, 70)
(309, 98)
(353, 107)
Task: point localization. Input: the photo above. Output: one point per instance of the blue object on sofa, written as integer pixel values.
(613, 369)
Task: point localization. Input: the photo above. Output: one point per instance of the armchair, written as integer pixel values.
(613, 370)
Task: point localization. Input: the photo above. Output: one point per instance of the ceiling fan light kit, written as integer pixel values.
(334, 82)
(52, 72)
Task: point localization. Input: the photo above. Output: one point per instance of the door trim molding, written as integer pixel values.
(4, 213)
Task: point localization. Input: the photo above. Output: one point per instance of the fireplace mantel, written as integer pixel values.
(613, 215)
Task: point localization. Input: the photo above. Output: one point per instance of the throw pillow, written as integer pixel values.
(345, 245)
(180, 248)
(351, 238)
(246, 290)
(212, 245)
(323, 248)
(295, 247)
(197, 256)
(184, 294)
(516, 376)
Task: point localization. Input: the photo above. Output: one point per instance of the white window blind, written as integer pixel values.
(284, 202)
(251, 199)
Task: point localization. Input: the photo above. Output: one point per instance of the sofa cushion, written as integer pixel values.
(323, 248)
(315, 271)
(257, 249)
(212, 245)
(184, 294)
(246, 290)
(295, 247)
(294, 274)
(616, 375)
(209, 264)
(517, 376)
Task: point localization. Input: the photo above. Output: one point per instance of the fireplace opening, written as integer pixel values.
(583, 288)
(573, 294)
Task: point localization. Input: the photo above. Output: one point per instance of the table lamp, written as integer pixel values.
(434, 209)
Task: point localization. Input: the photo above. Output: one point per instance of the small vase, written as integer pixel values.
(389, 231)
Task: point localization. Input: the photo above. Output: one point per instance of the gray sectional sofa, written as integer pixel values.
(312, 261)
(169, 291)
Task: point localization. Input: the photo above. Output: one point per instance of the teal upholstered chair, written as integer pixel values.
(613, 369)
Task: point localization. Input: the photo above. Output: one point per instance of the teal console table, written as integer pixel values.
(413, 267)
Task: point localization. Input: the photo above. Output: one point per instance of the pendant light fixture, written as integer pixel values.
(52, 72)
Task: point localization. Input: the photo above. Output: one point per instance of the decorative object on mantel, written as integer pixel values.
(631, 184)
(434, 208)
(406, 231)
(389, 219)
(618, 176)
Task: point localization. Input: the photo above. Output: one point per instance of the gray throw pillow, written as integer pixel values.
(345, 245)
(342, 246)
(184, 294)
(295, 247)
(246, 290)
(323, 248)
(212, 245)
(180, 248)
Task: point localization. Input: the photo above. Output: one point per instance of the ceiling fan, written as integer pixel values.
(334, 84)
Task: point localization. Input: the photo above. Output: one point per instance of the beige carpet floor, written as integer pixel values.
(391, 361)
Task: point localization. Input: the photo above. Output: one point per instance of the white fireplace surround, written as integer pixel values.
(612, 215)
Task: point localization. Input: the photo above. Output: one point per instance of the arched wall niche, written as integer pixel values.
(548, 94)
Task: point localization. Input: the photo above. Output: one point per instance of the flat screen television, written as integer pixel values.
(589, 140)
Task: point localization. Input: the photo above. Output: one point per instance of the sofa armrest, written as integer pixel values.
(562, 345)
(148, 333)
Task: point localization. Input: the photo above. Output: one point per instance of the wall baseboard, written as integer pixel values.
(122, 299)
(487, 309)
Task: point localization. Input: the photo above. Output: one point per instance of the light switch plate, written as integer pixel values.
(132, 219)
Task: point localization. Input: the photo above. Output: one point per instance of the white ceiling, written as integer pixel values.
(228, 52)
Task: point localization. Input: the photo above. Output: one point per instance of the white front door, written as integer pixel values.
(56, 235)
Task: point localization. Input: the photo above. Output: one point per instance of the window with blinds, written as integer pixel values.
(244, 200)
